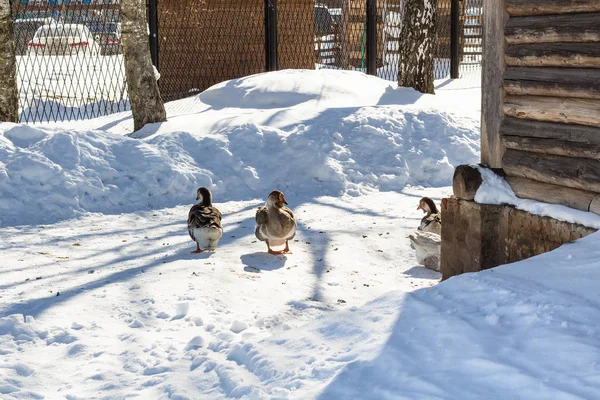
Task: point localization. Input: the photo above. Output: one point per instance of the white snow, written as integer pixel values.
(495, 190)
(100, 296)
(305, 132)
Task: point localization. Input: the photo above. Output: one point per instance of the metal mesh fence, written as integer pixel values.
(70, 64)
(69, 60)
(204, 42)
(471, 21)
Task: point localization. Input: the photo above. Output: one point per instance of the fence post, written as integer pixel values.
(271, 35)
(454, 39)
(371, 37)
(153, 26)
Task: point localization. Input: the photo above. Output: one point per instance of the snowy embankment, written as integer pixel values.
(305, 132)
(111, 304)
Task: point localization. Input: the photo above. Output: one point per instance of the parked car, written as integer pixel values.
(108, 36)
(24, 29)
(63, 40)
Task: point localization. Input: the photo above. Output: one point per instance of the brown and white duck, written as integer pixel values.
(432, 221)
(275, 223)
(427, 247)
(204, 222)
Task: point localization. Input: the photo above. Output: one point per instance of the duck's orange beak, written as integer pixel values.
(418, 208)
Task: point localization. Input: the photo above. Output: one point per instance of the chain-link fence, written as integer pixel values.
(69, 60)
(70, 63)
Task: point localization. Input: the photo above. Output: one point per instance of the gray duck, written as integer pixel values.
(275, 223)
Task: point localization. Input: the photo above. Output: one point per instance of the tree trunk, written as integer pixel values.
(415, 68)
(146, 104)
(9, 98)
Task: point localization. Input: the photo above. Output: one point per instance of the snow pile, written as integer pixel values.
(495, 190)
(527, 330)
(48, 174)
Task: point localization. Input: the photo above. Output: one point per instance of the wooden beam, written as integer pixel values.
(552, 146)
(494, 20)
(579, 28)
(581, 174)
(466, 181)
(529, 189)
(555, 82)
(567, 111)
(568, 55)
(521, 8)
(549, 130)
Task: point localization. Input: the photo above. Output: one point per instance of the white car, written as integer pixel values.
(63, 40)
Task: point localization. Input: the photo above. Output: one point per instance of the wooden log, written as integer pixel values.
(578, 28)
(553, 194)
(491, 81)
(568, 111)
(568, 55)
(595, 205)
(550, 130)
(520, 8)
(581, 173)
(555, 82)
(466, 181)
(552, 146)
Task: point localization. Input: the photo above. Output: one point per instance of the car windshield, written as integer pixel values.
(61, 31)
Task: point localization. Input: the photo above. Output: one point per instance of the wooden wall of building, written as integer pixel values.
(541, 107)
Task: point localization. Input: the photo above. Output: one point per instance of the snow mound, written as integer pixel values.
(50, 174)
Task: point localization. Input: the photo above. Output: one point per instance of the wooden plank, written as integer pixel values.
(556, 82)
(567, 111)
(529, 189)
(549, 130)
(579, 28)
(581, 174)
(569, 55)
(491, 81)
(520, 8)
(552, 146)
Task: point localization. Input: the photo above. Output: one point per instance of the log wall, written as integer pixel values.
(543, 127)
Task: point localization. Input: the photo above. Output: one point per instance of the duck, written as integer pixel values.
(427, 247)
(204, 222)
(432, 221)
(275, 223)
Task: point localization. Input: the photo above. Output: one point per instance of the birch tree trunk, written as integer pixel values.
(9, 98)
(415, 67)
(146, 104)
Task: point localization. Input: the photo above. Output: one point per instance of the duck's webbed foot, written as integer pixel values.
(197, 249)
(287, 248)
(271, 251)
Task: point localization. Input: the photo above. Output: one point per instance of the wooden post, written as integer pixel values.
(494, 19)
(9, 98)
(466, 181)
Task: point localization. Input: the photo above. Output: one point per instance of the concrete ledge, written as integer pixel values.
(481, 236)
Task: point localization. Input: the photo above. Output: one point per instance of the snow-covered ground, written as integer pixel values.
(100, 296)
